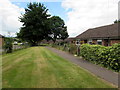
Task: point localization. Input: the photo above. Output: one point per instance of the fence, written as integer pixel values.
(16, 47)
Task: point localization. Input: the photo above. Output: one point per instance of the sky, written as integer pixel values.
(79, 15)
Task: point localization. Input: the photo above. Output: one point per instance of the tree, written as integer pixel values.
(117, 21)
(63, 33)
(58, 28)
(35, 24)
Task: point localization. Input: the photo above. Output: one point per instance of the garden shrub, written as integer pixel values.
(114, 57)
(108, 57)
(72, 49)
(8, 45)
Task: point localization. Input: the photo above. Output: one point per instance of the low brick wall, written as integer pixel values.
(114, 41)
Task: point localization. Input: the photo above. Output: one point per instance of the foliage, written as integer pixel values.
(8, 44)
(17, 40)
(72, 48)
(108, 57)
(58, 28)
(117, 21)
(35, 24)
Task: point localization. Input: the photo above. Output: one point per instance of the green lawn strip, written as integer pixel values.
(20, 73)
(9, 58)
(13, 62)
(70, 75)
(47, 77)
(40, 68)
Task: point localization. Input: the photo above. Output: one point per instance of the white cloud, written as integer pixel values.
(35, 0)
(9, 14)
(89, 14)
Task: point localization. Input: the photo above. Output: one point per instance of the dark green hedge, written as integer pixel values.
(108, 57)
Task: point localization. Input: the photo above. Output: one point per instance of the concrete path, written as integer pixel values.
(103, 73)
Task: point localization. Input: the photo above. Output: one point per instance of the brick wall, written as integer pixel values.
(114, 41)
(106, 42)
(1, 42)
(94, 41)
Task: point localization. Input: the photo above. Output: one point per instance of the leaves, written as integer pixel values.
(58, 28)
(108, 57)
(8, 45)
(35, 25)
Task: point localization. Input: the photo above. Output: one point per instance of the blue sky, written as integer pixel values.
(55, 8)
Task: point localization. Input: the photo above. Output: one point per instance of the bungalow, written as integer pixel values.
(1, 40)
(105, 35)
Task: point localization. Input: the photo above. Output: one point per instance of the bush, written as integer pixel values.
(72, 49)
(8, 45)
(108, 57)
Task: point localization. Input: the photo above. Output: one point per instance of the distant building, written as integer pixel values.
(1, 40)
(70, 40)
(105, 35)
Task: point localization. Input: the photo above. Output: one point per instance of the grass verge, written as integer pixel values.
(37, 67)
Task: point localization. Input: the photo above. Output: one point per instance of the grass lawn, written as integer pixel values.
(37, 67)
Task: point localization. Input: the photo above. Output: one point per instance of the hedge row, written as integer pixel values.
(108, 57)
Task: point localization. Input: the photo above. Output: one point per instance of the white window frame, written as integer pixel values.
(100, 40)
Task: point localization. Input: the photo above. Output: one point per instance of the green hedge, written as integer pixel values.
(108, 57)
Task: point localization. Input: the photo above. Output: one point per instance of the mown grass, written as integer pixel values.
(37, 67)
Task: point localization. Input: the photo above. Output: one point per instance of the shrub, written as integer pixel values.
(72, 49)
(8, 45)
(108, 57)
(114, 57)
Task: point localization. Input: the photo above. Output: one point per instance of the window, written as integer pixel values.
(90, 41)
(99, 42)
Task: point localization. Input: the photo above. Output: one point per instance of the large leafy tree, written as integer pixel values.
(35, 24)
(58, 28)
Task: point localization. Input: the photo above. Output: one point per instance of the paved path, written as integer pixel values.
(103, 73)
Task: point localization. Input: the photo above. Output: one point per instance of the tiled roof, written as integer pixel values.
(108, 31)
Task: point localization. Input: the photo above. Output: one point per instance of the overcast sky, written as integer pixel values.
(119, 10)
(79, 15)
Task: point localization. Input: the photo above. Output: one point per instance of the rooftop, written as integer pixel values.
(108, 31)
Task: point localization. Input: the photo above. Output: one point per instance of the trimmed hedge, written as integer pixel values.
(108, 57)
